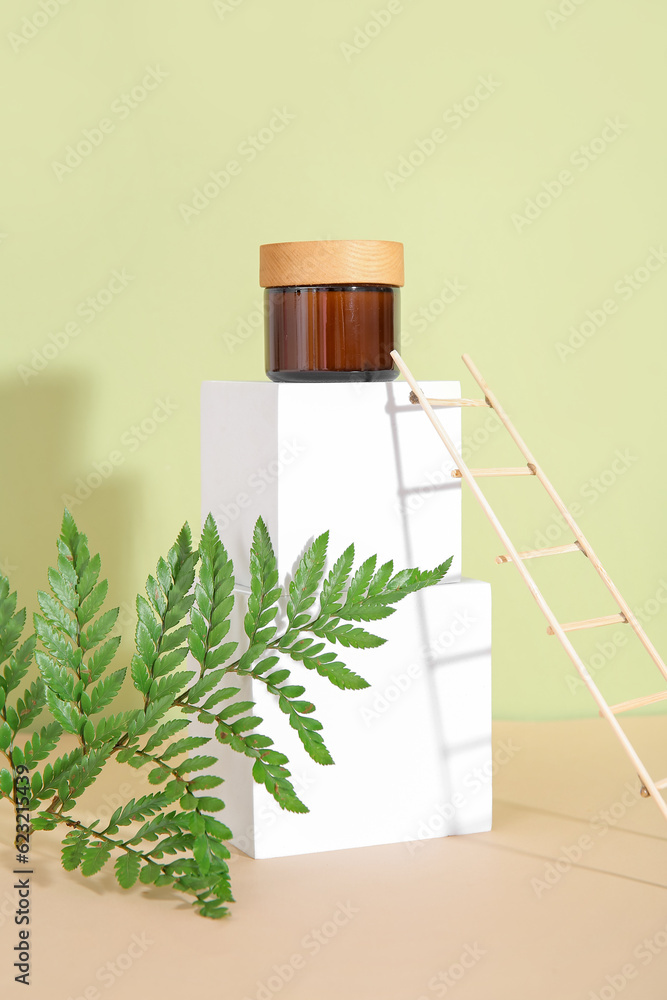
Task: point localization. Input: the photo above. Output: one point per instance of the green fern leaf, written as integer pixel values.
(69, 532)
(56, 615)
(64, 713)
(167, 662)
(74, 848)
(101, 658)
(303, 588)
(106, 690)
(202, 853)
(94, 858)
(235, 709)
(264, 591)
(199, 763)
(63, 590)
(8, 602)
(381, 578)
(58, 679)
(334, 585)
(347, 635)
(169, 686)
(367, 611)
(11, 630)
(88, 575)
(42, 743)
(183, 745)
(6, 781)
(328, 666)
(361, 581)
(5, 735)
(53, 640)
(99, 629)
(127, 869)
(165, 732)
(92, 603)
(30, 704)
(19, 663)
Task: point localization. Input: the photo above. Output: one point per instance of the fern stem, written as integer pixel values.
(158, 651)
(13, 798)
(140, 855)
(7, 754)
(122, 845)
(77, 670)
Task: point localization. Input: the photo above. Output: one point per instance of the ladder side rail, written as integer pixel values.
(632, 619)
(533, 588)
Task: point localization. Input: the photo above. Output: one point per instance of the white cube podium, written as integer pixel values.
(356, 458)
(412, 752)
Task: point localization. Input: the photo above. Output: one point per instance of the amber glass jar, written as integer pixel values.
(332, 310)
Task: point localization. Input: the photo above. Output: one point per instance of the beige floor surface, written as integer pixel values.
(564, 900)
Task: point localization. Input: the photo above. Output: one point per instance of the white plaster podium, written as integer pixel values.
(412, 752)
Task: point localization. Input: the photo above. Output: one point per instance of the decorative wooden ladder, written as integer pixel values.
(580, 544)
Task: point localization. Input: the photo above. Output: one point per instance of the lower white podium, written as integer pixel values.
(413, 751)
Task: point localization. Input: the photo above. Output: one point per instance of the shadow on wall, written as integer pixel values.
(396, 411)
(44, 441)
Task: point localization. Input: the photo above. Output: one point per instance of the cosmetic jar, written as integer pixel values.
(331, 310)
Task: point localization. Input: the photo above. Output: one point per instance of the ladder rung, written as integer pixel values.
(451, 402)
(534, 553)
(627, 706)
(661, 784)
(619, 619)
(520, 470)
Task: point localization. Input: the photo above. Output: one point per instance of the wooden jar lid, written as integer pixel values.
(331, 262)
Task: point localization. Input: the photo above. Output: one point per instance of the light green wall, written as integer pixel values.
(552, 83)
